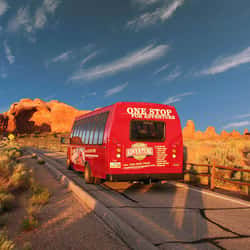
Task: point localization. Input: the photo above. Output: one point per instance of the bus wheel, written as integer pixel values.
(98, 181)
(69, 166)
(89, 179)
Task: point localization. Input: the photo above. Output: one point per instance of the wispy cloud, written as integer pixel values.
(222, 64)
(177, 98)
(237, 124)
(28, 22)
(47, 7)
(3, 7)
(173, 75)
(146, 2)
(162, 68)
(242, 116)
(22, 20)
(89, 57)
(115, 90)
(8, 53)
(139, 57)
(159, 14)
(62, 57)
(3, 72)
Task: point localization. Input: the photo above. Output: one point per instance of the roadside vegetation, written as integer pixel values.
(16, 180)
(49, 141)
(231, 152)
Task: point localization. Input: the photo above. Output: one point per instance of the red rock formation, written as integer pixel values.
(28, 116)
(210, 133)
(198, 135)
(224, 134)
(246, 132)
(235, 133)
(189, 130)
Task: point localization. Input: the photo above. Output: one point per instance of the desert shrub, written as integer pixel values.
(27, 246)
(5, 168)
(40, 195)
(7, 201)
(29, 223)
(34, 156)
(5, 243)
(3, 219)
(40, 161)
(21, 177)
(55, 135)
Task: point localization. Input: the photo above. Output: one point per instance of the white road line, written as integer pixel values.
(243, 203)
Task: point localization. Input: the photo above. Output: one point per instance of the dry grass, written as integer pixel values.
(5, 243)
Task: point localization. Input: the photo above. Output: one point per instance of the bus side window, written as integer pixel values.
(87, 131)
(93, 124)
(103, 121)
(84, 130)
(97, 128)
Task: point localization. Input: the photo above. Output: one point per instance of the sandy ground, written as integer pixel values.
(64, 223)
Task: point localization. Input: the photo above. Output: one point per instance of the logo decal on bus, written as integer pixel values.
(78, 156)
(139, 151)
(151, 113)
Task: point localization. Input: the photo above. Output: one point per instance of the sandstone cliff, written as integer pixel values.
(210, 133)
(28, 116)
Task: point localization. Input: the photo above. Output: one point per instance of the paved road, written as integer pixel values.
(173, 216)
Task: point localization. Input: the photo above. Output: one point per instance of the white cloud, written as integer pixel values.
(115, 90)
(177, 98)
(225, 63)
(169, 11)
(3, 72)
(237, 124)
(48, 7)
(3, 7)
(21, 21)
(173, 75)
(8, 53)
(139, 57)
(51, 5)
(89, 57)
(25, 20)
(162, 68)
(40, 18)
(146, 2)
(62, 57)
(150, 18)
(242, 116)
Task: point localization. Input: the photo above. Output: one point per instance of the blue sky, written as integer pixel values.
(192, 54)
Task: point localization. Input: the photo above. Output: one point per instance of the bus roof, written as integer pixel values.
(112, 106)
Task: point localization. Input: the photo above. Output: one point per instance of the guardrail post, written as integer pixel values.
(212, 177)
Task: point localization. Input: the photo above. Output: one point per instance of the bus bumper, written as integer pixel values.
(142, 177)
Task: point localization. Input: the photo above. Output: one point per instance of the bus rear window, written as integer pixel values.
(147, 131)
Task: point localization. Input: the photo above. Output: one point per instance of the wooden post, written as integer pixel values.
(212, 177)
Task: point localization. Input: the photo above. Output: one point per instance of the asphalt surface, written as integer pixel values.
(172, 216)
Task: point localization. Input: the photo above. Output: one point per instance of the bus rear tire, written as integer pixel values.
(69, 166)
(89, 179)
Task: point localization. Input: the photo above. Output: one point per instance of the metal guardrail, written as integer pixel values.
(211, 174)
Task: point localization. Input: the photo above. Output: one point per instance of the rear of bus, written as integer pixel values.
(145, 143)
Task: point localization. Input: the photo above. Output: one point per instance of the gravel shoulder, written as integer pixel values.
(64, 222)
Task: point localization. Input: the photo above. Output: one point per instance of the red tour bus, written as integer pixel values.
(127, 141)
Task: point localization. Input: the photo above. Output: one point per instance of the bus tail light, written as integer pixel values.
(118, 155)
(174, 153)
